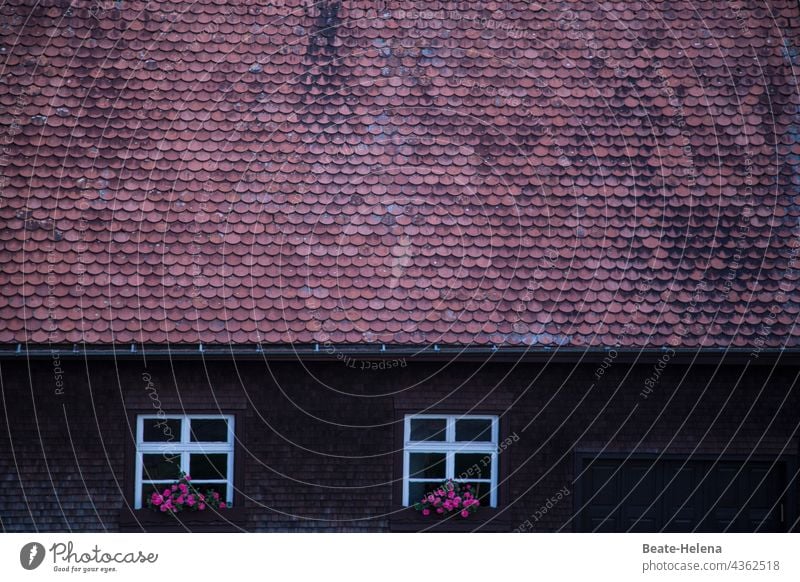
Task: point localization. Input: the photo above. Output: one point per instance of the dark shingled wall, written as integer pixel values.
(319, 440)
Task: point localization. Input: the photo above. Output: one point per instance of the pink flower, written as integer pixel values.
(201, 507)
(451, 494)
(183, 487)
(430, 498)
(163, 508)
(465, 513)
(437, 501)
(223, 505)
(156, 499)
(467, 486)
(179, 500)
(187, 477)
(424, 511)
(174, 487)
(215, 495)
(440, 510)
(167, 493)
(202, 497)
(190, 500)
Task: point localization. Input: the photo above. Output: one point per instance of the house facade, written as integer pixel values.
(324, 257)
(320, 446)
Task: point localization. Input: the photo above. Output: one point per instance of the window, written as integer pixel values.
(439, 447)
(198, 444)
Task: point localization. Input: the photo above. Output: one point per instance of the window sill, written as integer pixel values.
(483, 521)
(145, 520)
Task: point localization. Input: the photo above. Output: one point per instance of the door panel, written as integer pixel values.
(679, 495)
(602, 514)
(682, 498)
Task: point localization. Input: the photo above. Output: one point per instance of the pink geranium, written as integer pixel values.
(184, 496)
(450, 497)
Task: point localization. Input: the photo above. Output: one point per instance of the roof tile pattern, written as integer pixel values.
(510, 173)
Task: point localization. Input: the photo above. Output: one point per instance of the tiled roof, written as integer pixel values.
(509, 173)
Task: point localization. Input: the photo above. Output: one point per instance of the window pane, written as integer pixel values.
(428, 429)
(427, 465)
(209, 430)
(161, 430)
(202, 466)
(473, 466)
(416, 490)
(473, 429)
(159, 466)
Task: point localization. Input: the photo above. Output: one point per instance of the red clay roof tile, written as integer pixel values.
(612, 174)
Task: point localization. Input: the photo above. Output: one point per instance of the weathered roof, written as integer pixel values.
(506, 173)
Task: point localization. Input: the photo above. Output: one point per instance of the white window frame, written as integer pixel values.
(183, 446)
(450, 447)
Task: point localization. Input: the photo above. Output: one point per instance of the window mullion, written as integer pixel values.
(493, 496)
(229, 479)
(406, 475)
(138, 501)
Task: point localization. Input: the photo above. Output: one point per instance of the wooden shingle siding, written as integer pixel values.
(318, 441)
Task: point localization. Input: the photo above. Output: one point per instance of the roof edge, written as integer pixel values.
(350, 352)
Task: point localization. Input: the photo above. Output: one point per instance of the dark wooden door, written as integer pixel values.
(679, 495)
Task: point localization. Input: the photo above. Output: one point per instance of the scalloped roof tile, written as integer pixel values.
(512, 173)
